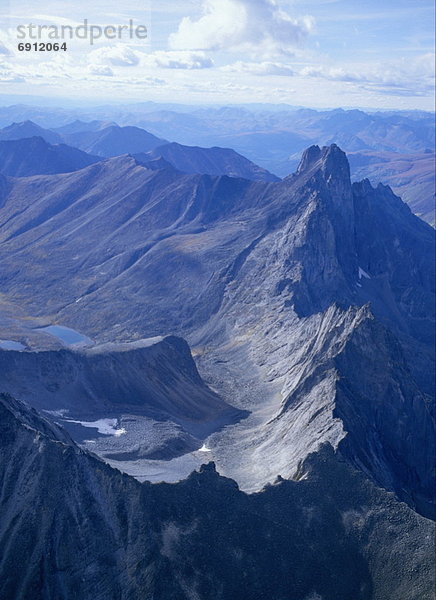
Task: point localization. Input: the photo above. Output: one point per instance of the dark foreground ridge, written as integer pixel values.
(73, 527)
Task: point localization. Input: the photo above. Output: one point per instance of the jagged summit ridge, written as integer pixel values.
(330, 157)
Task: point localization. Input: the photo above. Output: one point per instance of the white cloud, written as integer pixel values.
(183, 59)
(7, 75)
(258, 27)
(260, 68)
(103, 70)
(411, 77)
(50, 19)
(3, 50)
(102, 59)
(119, 55)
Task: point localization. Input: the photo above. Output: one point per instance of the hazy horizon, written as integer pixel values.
(8, 100)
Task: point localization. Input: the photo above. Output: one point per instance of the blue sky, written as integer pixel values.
(323, 53)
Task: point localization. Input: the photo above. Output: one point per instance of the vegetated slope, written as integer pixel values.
(74, 527)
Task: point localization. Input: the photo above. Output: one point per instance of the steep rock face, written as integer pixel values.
(386, 416)
(396, 248)
(198, 230)
(160, 378)
(396, 251)
(73, 527)
(61, 526)
(326, 248)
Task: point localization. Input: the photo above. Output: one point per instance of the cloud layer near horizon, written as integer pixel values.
(238, 50)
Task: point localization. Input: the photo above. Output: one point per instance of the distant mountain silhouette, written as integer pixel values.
(35, 156)
(28, 129)
(113, 140)
(210, 161)
(79, 126)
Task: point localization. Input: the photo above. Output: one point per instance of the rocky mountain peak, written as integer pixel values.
(330, 165)
(309, 157)
(334, 162)
(324, 174)
(330, 159)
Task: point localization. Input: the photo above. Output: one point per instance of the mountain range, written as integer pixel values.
(28, 129)
(307, 304)
(390, 147)
(17, 156)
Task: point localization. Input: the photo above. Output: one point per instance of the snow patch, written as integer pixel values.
(363, 273)
(204, 448)
(104, 426)
(57, 413)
